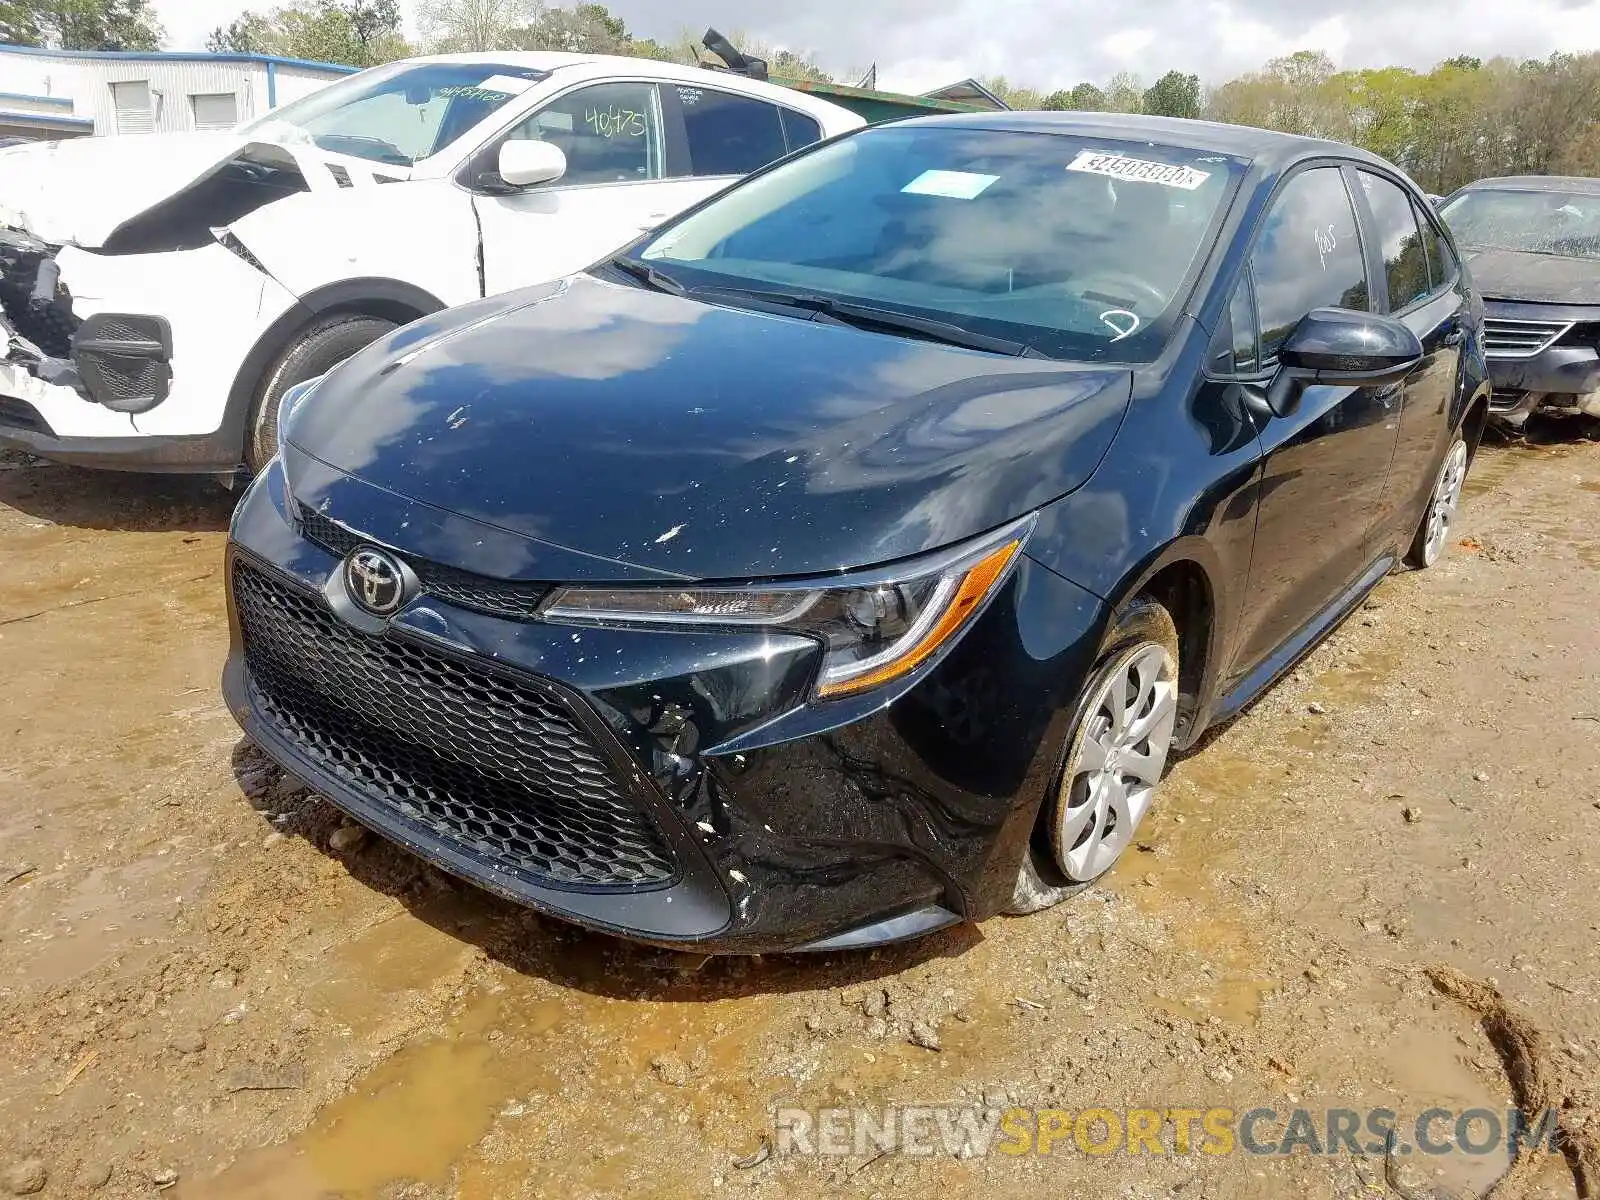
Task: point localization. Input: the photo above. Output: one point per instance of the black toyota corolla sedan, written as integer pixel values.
(847, 558)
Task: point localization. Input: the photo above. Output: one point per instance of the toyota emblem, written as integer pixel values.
(374, 581)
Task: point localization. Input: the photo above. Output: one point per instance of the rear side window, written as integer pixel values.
(799, 130)
(730, 135)
(1307, 256)
(1405, 261)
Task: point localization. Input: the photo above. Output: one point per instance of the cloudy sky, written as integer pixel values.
(1053, 43)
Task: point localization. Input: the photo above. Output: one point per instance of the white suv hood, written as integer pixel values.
(81, 191)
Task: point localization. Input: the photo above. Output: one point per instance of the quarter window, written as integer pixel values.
(1308, 256)
(1405, 261)
(1242, 318)
(610, 133)
(799, 130)
(730, 135)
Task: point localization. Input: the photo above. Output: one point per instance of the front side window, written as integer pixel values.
(730, 135)
(1405, 260)
(1538, 222)
(1307, 256)
(1076, 248)
(610, 133)
(400, 114)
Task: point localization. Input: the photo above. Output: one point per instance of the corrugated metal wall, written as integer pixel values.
(167, 101)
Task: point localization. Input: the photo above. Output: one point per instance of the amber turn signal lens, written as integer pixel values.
(976, 585)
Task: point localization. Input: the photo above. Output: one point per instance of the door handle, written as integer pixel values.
(1455, 337)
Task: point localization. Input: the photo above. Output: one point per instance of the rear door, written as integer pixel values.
(1325, 463)
(1424, 291)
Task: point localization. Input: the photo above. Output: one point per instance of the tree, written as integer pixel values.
(1173, 95)
(585, 29)
(19, 23)
(251, 33)
(81, 24)
(1124, 93)
(465, 25)
(357, 33)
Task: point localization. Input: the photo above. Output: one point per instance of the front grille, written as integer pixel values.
(500, 767)
(1505, 399)
(499, 597)
(1507, 338)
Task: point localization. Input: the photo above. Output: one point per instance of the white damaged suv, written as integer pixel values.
(159, 293)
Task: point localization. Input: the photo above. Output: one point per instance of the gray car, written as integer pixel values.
(1533, 247)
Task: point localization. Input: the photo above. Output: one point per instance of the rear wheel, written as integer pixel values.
(1429, 542)
(320, 347)
(1116, 755)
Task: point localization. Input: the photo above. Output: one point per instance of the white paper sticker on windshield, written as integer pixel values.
(1138, 170)
(509, 84)
(957, 185)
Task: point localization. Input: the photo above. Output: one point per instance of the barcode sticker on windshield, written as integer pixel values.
(508, 84)
(957, 185)
(1138, 170)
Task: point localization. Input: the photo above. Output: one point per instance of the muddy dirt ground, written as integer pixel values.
(200, 995)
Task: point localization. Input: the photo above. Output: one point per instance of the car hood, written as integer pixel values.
(81, 191)
(1543, 278)
(665, 435)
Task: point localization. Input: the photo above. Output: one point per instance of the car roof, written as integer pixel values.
(1265, 146)
(837, 117)
(1536, 183)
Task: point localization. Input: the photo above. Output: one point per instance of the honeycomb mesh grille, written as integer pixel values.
(498, 767)
(499, 597)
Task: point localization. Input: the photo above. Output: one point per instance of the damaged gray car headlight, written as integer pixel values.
(291, 400)
(875, 628)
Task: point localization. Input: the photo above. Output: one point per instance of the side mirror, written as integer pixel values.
(527, 163)
(1340, 348)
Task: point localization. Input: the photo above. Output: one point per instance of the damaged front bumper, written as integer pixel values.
(120, 361)
(1560, 375)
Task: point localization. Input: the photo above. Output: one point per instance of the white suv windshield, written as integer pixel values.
(398, 114)
(1073, 247)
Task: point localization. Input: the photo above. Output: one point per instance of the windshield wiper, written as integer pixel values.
(868, 316)
(648, 275)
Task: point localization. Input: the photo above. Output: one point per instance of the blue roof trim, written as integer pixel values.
(45, 122)
(179, 56)
(51, 101)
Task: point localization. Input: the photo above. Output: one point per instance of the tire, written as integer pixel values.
(1142, 637)
(1427, 545)
(317, 349)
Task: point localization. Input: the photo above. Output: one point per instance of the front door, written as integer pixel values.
(616, 187)
(1322, 485)
(1425, 292)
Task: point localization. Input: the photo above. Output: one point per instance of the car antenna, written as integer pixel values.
(735, 62)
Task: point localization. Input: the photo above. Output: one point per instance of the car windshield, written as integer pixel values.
(1540, 222)
(1074, 247)
(398, 114)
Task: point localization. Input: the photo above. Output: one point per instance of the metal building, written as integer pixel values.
(63, 93)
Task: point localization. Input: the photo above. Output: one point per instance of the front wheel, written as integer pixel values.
(1428, 544)
(318, 348)
(1123, 732)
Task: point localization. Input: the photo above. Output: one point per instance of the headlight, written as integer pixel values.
(291, 400)
(876, 627)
